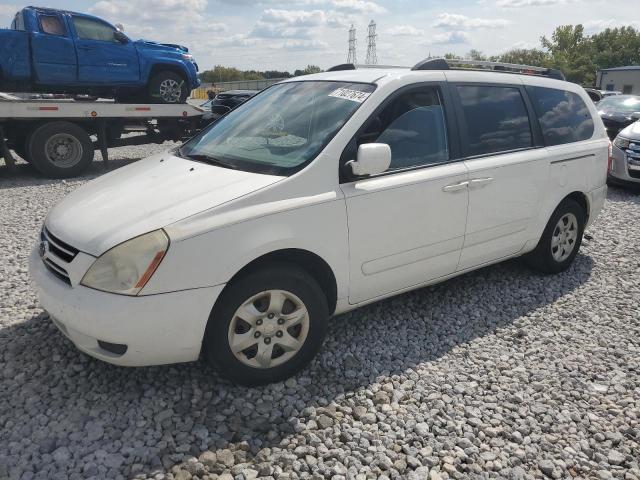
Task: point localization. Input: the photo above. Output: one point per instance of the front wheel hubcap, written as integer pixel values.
(170, 90)
(564, 237)
(268, 329)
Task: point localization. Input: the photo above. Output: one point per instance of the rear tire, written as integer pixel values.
(561, 239)
(60, 149)
(284, 325)
(168, 87)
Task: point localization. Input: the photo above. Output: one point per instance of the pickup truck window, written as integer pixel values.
(89, 29)
(18, 22)
(51, 25)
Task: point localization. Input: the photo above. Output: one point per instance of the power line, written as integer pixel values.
(351, 57)
(372, 58)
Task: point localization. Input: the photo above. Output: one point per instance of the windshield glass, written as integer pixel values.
(280, 130)
(620, 103)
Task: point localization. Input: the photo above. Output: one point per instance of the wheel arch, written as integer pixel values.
(171, 67)
(308, 261)
(582, 200)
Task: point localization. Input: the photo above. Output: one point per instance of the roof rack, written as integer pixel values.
(351, 66)
(447, 64)
(477, 65)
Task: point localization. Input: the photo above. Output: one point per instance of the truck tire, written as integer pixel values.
(60, 149)
(167, 87)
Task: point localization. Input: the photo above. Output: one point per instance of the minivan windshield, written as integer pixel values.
(620, 103)
(280, 130)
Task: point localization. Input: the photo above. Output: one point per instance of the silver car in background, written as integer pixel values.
(624, 168)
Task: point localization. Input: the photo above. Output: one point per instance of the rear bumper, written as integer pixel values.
(156, 329)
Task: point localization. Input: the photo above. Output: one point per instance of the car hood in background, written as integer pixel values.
(145, 196)
(632, 132)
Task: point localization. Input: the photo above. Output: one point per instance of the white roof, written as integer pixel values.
(381, 76)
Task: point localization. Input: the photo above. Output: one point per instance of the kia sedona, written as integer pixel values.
(317, 196)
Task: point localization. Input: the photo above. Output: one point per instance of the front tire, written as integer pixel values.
(266, 326)
(168, 87)
(560, 240)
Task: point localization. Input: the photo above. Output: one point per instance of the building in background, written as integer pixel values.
(621, 79)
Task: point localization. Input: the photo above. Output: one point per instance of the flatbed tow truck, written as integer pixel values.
(59, 137)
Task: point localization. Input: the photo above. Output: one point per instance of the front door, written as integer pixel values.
(102, 59)
(54, 57)
(508, 170)
(406, 226)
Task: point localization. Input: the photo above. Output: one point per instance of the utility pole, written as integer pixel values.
(351, 57)
(372, 58)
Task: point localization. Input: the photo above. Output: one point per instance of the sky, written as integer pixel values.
(286, 35)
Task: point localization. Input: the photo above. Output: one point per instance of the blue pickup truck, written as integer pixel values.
(57, 51)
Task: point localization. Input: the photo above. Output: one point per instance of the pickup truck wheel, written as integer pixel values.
(60, 149)
(267, 325)
(168, 87)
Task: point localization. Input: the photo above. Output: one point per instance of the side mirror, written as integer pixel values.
(372, 158)
(120, 37)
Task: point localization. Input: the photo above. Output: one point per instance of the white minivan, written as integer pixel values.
(321, 194)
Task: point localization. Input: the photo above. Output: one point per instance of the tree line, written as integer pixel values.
(574, 52)
(220, 73)
(569, 49)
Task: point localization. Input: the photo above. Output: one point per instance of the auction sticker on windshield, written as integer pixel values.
(349, 94)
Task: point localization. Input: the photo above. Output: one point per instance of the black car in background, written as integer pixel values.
(224, 102)
(618, 111)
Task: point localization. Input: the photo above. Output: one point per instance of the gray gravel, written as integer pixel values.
(498, 374)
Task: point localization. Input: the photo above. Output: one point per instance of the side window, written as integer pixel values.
(496, 119)
(413, 125)
(563, 115)
(89, 29)
(51, 24)
(20, 21)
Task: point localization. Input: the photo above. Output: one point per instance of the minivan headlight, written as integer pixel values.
(621, 143)
(126, 268)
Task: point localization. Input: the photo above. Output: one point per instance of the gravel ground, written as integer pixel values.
(498, 374)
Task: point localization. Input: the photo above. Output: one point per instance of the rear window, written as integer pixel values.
(18, 22)
(496, 119)
(563, 116)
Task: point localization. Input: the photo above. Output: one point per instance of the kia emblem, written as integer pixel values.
(44, 248)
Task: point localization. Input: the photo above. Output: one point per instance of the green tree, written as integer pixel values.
(308, 70)
(524, 56)
(476, 55)
(572, 52)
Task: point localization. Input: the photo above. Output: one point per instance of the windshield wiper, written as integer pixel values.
(211, 160)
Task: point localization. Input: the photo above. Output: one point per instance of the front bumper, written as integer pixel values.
(623, 169)
(157, 329)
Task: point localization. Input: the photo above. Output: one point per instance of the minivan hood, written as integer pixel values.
(145, 196)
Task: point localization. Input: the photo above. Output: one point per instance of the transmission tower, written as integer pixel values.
(372, 58)
(351, 57)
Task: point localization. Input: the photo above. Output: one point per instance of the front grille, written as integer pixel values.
(59, 248)
(57, 255)
(633, 159)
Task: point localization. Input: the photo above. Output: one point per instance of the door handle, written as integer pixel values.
(455, 187)
(480, 182)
